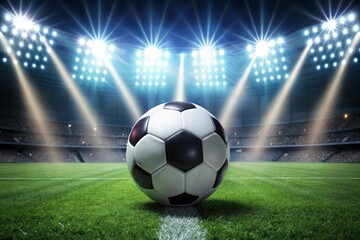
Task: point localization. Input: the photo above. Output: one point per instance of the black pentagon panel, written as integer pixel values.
(221, 174)
(139, 130)
(219, 129)
(179, 106)
(142, 178)
(183, 199)
(184, 150)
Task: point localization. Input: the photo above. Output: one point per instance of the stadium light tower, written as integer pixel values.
(91, 59)
(333, 42)
(209, 66)
(27, 41)
(152, 66)
(270, 63)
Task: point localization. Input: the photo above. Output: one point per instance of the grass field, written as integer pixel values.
(255, 201)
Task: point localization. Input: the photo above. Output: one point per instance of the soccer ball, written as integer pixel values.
(177, 153)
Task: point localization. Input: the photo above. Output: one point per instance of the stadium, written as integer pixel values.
(281, 77)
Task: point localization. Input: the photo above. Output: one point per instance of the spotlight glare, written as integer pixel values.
(152, 52)
(207, 52)
(262, 48)
(331, 25)
(342, 20)
(98, 48)
(356, 28)
(37, 28)
(153, 63)
(4, 28)
(81, 41)
(91, 58)
(22, 23)
(8, 17)
(351, 17)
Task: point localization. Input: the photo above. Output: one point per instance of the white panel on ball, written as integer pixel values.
(205, 110)
(154, 195)
(164, 123)
(149, 153)
(153, 110)
(169, 181)
(197, 122)
(129, 156)
(200, 179)
(214, 150)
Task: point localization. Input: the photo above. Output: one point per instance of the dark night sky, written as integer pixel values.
(179, 23)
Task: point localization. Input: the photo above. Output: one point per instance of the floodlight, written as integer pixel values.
(4, 28)
(152, 66)
(269, 59)
(207, 52)
(262, 48)
(8, 17)
(91, 59)
(152, 52)
(209, 66)
(351, 17)
(333, 42)
(99, 48)
(22, 35)
(356, 28)
(331, 25)
(22, 23)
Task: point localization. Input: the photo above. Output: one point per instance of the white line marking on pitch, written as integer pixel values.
(304, 177)
(61, 178)
(181, 223)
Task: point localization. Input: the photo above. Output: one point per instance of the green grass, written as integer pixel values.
(250, 203)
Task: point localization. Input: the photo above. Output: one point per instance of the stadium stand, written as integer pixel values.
(21, 141)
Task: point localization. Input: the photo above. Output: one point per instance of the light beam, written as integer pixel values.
(229, 108)
(131, 102)
(276, 107)
(32, 102)
(180, 89)
(74, 90)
